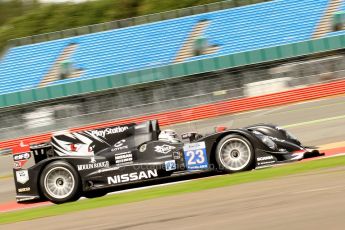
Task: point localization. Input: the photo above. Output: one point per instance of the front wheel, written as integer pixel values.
(234, 154)
(60, 182)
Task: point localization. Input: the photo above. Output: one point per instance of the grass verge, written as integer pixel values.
(169, 190)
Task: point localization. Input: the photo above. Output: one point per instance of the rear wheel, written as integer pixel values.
(234, 154)
(60, 182)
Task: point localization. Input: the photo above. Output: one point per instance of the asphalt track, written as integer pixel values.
(327, 117)
(305, 201)
(316, 123)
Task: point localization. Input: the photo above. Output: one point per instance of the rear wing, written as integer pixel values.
(25, 180)
(83, 143)
(91, 142)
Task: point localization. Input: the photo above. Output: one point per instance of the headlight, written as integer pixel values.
(266, 140)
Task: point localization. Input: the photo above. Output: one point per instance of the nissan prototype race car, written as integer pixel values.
(86, 163)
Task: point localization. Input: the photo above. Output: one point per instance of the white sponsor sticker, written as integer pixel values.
(104, 164)
(21, 156)
(27, 189)
(194, 146)
(119, 145)
(164, 148)
(265, 158)
(170, 165)
(22, 176)
(134, 176)
(123, 157)
(142, 148)
(107, 131)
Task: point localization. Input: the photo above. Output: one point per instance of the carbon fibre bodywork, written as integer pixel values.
(130, 153)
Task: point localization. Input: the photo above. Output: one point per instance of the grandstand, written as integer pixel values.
(150, 68)
(150, 45)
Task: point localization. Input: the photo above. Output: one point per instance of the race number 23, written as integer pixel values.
(195, 155)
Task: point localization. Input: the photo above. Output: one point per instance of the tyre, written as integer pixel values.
(60, 182)
(234, 153)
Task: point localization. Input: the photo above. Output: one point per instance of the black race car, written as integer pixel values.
(88, 162)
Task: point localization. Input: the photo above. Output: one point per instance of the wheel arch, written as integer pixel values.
(44, 164)
(68, 166)
(244, 133)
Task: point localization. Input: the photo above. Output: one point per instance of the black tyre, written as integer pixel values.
(60, 182)
(234, 153)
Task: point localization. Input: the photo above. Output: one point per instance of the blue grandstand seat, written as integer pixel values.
(122, 50)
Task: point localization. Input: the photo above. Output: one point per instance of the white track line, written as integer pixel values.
(314, 121)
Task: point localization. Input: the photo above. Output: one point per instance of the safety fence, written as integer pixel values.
(158, 97)
(210, 110)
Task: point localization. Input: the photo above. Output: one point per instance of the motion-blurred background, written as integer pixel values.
(72, 64)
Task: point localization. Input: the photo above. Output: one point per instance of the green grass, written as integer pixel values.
(191, 186)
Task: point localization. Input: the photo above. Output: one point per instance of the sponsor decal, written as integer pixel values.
(164, 148)
(143, 148)
(76, 144)
(265, 163)
(22, 156)
(123, 157)
(107, 131)
(93, 160)
(21, 147)
(265, 158)
(97, 165)
(22, 144)
(17, 164)
(177, 155)
(119, 143)
(128, 177)
(195, 156)
(170, 165)
(27, 189)
(22, 176)
(119, 146)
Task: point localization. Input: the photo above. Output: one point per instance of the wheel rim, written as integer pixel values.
(235, 154)
(59, 182)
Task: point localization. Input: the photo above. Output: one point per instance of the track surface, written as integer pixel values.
(315, 123)
(306, 201)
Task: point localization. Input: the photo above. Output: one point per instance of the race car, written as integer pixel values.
(86, 163)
